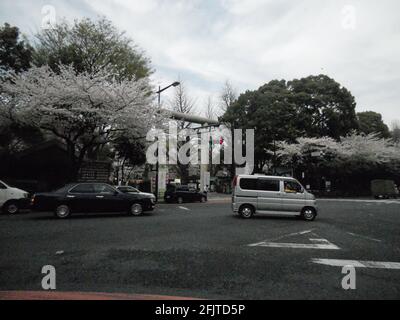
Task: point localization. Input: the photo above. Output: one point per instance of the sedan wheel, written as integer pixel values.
(203, 199)
(180, 200)
(62, 211)
(136, 209)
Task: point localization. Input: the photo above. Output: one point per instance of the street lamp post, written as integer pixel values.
(174, 84)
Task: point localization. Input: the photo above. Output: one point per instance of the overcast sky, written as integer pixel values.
(250, 42)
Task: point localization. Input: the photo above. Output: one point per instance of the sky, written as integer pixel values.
(205, 43)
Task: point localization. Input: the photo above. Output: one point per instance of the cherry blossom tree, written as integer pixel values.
(358, 158)
(354, 154)
(83, 110)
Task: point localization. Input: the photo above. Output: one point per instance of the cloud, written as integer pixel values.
(250, 42)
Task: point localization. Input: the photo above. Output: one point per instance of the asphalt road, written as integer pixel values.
(203, 251)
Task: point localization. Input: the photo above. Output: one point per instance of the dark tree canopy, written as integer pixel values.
(90, 45)
(15, 54)
(371, 122)
(315, 106)
(132, 151)
(324, 107)
(270, 112)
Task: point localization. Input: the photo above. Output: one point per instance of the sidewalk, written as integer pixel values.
(219, 197)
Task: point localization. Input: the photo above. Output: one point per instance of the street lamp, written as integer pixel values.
(174, 84)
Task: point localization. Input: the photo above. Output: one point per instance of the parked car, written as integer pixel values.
(129, 189)
(91, 197)
(384, 189)
(258, 194)
(182, 194)
(12, 199)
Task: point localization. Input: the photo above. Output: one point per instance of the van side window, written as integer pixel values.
(268, 185)
(248, 184)
(292, 187)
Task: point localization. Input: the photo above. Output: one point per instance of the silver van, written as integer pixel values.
(253, 194)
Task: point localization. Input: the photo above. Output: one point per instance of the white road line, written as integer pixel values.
(184, 208)
(358, 264)
(362, 200)
(321, 244)
(289, 235)
(364, 237)
(306, 231)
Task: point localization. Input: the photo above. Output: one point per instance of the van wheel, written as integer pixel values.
(11, 207)
(62, 211)
(180, 200)
(308, 214)
(246, 211)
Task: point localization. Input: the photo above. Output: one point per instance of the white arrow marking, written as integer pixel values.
(358, 264)
(321, 244)
(184, 208)
(364, 237)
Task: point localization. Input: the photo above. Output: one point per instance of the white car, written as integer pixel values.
(12, 199)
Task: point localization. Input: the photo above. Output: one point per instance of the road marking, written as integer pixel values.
(288, 235)
(358, 263)
(184, 208)
(362, 201)
(321, 244)
(364, 237)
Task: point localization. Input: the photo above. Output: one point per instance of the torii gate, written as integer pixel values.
(205, 123)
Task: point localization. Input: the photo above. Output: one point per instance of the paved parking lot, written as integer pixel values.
(204, 251)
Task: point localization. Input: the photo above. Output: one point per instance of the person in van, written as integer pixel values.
(258, 194)
(290, 187)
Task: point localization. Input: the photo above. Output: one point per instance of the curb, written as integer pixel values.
(57, 295)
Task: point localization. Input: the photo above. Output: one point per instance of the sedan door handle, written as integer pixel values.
(70, 196)
(99, 196)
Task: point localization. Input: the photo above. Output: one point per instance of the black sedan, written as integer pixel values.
(182, 194)
(91, 197)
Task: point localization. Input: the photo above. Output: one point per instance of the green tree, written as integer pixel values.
(15, 56)
(316, 106)
(91, 46)
(324, 107)
(371, 122)
(15, 53)
(269, 111)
